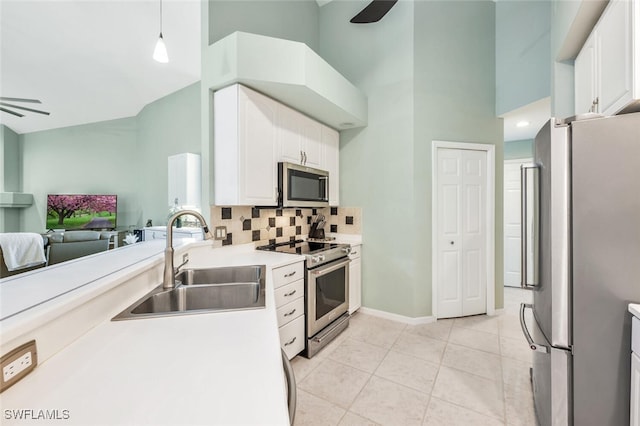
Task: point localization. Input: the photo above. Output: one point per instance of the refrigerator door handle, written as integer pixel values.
(533, 345)
(524, 259)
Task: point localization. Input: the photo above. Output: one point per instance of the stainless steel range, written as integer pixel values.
(326, 288)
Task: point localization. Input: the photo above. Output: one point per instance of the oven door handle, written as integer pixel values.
(324, 269)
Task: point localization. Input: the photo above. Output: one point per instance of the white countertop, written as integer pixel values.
(634, 308)
(216, 368)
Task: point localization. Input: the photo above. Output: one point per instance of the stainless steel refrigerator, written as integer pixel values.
(581, 258)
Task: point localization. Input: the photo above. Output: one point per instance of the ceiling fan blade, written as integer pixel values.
(24, 108)
(33, 101)
(11, 112)
(373, 12)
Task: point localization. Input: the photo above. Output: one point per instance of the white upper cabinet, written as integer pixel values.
(607, 69)
(245, 154)
(299, 138)
(290, 135)
(585, 78)
(252, 133)
(312, 140)
(331, 162)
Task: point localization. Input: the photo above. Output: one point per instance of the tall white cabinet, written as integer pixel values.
(245, 150)
(252, 133)
(607, 69)
(185, 181)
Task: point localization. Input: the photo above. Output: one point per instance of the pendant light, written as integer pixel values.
(160, 52)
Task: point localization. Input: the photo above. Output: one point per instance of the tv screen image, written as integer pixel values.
(81, 211)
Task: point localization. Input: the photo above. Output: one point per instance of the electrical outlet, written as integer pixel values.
(17, 364)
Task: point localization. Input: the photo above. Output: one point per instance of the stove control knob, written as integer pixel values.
(346, 250)
(321, 257)
(315, 259)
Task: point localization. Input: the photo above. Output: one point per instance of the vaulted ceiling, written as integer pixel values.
(91, 60)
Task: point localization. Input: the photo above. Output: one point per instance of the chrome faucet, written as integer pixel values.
(169, 276)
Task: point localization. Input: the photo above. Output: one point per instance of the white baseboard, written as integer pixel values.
(398, 318)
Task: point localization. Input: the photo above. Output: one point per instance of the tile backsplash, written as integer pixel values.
(264, 225)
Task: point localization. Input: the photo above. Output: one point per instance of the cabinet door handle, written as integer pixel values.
(290, 274)
(305, 158)
(354, 252)
(301, 157)
(291, 293)
(290, 313)
(290, 341)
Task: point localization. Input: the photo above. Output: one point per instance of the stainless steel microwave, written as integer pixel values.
(301, 186)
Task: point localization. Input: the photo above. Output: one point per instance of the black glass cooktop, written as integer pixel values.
(299, 247)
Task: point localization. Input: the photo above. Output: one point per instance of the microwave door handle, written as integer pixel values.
(326, 187)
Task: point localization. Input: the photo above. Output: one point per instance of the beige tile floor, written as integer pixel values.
(464, 371)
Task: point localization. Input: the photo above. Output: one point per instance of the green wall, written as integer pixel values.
(377, 162)
(168, 126)
(523, 53)
(518, 149)
(563, 13)
(92, 158)
(415, 71)
(295, 20)
(10, 176)
(127, 157)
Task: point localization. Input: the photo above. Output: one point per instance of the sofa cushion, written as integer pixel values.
(73, 236)
(56, 237)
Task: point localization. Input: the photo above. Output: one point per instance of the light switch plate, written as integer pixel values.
(17, 364)
(220, 233)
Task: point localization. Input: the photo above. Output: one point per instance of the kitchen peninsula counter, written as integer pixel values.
(214, 368)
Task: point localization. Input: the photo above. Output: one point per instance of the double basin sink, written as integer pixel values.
(203, 291)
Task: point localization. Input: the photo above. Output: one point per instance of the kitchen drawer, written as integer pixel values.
(635, 335)
(288, 293)
(292, 337)
(288, 274)
(290, 311)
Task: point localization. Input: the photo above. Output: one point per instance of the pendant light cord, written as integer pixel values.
(160, 18)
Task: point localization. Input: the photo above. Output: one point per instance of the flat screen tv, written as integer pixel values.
(81, 211)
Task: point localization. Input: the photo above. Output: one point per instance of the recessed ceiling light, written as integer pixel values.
(347, 124)
(522, 123)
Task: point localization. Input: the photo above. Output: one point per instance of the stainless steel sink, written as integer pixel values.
(203, 291)
(232, 274)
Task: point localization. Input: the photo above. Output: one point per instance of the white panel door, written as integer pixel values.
(512, 239)
(462, 234)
